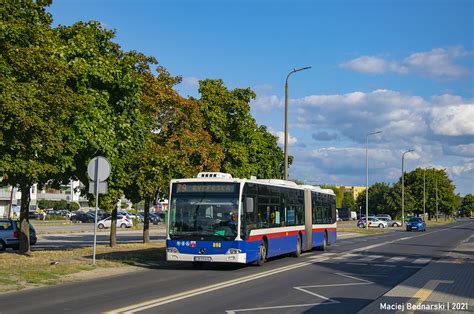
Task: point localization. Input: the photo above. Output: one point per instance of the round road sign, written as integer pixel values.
(98, 169)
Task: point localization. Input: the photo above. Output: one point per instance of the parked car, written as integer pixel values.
(390, 222)
(10, 234)
(374, 222)
(416, 223)
(122, 222)
(33, 215)
(155, 218)
(83, 217)
(384, 216)
(472, 217)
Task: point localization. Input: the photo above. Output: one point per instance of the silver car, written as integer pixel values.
(10, 234)
(390, 222)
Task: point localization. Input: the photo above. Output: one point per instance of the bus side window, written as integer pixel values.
(262, 216)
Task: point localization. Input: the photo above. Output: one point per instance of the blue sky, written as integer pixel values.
(404, 67)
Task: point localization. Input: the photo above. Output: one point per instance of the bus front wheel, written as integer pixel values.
(262, 254)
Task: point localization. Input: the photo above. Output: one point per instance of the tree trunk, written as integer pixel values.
(146, 221)
(113, 228)
(24, 220)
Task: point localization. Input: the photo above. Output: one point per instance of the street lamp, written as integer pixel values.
(367, 178)
(436, 187)
(403, 184)
(424, 193)
(286, 117)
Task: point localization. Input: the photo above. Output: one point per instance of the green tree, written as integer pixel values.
(378, 194)
(110, 117)
(181, 147)
(249, 149)
(436, 182)
(467, 205)
(348, 201)
(35, 103)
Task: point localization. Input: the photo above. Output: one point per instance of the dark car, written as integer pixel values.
(83, 217)
(10, 234)
(416, 223)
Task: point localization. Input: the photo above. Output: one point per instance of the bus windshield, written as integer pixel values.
(204, 211)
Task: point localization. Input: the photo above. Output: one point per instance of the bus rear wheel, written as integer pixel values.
(298, 247)
(262, 254)
(325, 243)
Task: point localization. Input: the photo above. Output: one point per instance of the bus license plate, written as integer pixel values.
(202, 259)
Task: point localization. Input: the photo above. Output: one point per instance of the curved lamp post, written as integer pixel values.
(367, 178)
(286, 117)
(403, 185)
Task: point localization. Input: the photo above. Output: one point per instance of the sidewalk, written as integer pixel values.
(446, 285)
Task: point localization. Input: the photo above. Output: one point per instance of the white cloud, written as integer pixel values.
(266, 103)
(437, 63)
(466, 150)
(373, 65)
(465, 169)
(356, 114)
(453, 120)
(281, 138)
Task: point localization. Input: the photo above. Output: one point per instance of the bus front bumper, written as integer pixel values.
(217, 258)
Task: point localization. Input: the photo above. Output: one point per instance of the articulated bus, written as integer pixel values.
(217, 218)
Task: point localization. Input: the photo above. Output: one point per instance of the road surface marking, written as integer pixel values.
(347, 256)
(421, 261)
(187, 294)
(358, 264)
(421, 295)
(396, 259)
(304, 289)
(369, 258)
(384, 265)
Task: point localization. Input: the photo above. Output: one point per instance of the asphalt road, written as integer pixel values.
(345, 279)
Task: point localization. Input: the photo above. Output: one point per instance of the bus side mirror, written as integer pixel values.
(249, 204)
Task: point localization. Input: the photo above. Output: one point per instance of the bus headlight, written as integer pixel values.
(172, 250)
(233, 251)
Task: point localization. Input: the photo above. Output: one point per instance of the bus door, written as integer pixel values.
(308, 219)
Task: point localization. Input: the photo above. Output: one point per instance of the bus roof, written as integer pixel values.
(272, 182)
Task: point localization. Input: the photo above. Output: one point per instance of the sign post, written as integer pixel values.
(98, 170)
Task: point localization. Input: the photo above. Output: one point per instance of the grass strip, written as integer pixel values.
(48, 267)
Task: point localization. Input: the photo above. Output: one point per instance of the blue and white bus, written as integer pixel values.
(217, 218)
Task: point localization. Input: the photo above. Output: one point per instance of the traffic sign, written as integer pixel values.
(98, 169)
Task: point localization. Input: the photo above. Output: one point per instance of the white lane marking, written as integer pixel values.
(358, 264)
(396, 259)
(304, 289)
(369, 258)
(347, 256)
(421, 261)
(317, 256)
(279, 307)
(187, 294)
(383, 265)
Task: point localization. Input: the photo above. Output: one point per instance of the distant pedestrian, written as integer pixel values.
(44, 215)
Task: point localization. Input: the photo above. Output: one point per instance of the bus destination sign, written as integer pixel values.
(200, 188)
